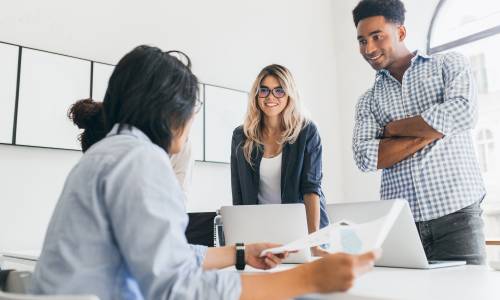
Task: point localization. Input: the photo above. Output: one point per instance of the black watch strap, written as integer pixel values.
(240, 256)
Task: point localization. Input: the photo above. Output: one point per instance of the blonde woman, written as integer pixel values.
(276, 154)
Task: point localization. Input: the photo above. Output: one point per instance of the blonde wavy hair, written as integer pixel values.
(293, 117)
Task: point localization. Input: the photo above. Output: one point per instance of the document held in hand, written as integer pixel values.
(345, 236)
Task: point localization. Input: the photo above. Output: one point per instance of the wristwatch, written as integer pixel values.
(240, 256)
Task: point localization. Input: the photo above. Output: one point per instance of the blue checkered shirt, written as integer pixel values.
(444, 176)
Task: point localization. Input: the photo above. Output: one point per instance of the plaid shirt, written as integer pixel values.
(444, 176)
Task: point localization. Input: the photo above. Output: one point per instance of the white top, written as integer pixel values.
(270, 180)
(182, 163)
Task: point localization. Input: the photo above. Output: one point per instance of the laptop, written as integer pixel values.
(402, 247)
(274, 223)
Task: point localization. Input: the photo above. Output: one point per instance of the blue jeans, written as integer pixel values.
(457, 236)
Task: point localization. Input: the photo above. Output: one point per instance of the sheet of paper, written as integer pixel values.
(346, 236)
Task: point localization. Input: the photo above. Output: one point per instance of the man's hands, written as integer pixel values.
(333, 273)
(253, 259)
(318, 251)
(411, 127)
(336, 272)
(403, 138)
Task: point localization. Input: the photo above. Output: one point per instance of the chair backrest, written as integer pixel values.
(18, 282)
(17, 286)
(12, 296)
(200, 229)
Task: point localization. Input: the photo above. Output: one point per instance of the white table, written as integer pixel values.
(453, 283)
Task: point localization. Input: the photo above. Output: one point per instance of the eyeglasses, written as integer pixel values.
(198, 105)
(181, 56)
(278, 92)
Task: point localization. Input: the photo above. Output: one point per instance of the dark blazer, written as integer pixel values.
(301, 170)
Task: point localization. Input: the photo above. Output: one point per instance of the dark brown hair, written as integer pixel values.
(87, 114)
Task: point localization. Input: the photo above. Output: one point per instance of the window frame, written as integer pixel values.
(495, 241)
(459, 42)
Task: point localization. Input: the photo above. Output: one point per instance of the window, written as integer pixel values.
(473, 28)
(486, 150)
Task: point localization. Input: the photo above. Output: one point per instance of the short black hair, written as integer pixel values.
(153, 91)
(392, 10)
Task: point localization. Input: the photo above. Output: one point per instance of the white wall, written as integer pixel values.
(229, 42)
(30, 182)
(355, 76)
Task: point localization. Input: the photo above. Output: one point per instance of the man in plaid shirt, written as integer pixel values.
(415, 124)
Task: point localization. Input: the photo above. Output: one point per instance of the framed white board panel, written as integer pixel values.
(196, 134)
(224, 111)
(8, 81)
(100, 78)
(49, 84)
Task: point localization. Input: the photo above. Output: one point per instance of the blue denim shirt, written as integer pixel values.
(301, 170)
(118, 230)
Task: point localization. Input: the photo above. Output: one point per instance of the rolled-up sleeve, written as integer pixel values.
(148, 219)
(367, 131)
(458, 112)
(312, 170)
(200, 253)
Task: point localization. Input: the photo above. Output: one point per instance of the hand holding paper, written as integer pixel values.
(345, 236)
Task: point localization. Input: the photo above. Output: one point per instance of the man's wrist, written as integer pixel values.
(240, 256)
(306, 271)
(388, 131)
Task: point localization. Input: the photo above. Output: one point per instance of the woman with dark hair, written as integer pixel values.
(87, 114)
(118, 228)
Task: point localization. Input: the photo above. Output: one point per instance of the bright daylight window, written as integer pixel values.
(473, 28)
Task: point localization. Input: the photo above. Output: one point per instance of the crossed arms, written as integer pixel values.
(379, 146)
(402, 138)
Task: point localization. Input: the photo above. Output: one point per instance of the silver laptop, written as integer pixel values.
(274, 223)
(402, 247)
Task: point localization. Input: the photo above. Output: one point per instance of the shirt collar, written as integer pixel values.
(128, 130)
(419, 54)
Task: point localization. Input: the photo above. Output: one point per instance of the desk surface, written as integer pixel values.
(454, 283)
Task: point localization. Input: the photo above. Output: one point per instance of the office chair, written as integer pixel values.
(12, 296)
(18, 282)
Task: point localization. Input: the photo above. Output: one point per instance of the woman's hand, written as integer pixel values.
(253, 258)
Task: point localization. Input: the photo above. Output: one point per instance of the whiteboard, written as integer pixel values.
(49, 84)
(196, 134)
(100, 78)
(8, 82)
(224, 111)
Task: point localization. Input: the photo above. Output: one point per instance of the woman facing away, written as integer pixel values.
(276, 154)
(87, 114)
(118, 228)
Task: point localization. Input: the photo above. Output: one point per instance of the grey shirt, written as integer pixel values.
(118, 230)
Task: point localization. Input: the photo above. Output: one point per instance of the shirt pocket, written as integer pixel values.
(389, 106)
(429, 91)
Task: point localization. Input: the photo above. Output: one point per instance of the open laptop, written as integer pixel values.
(274, 223)
(402, 248)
